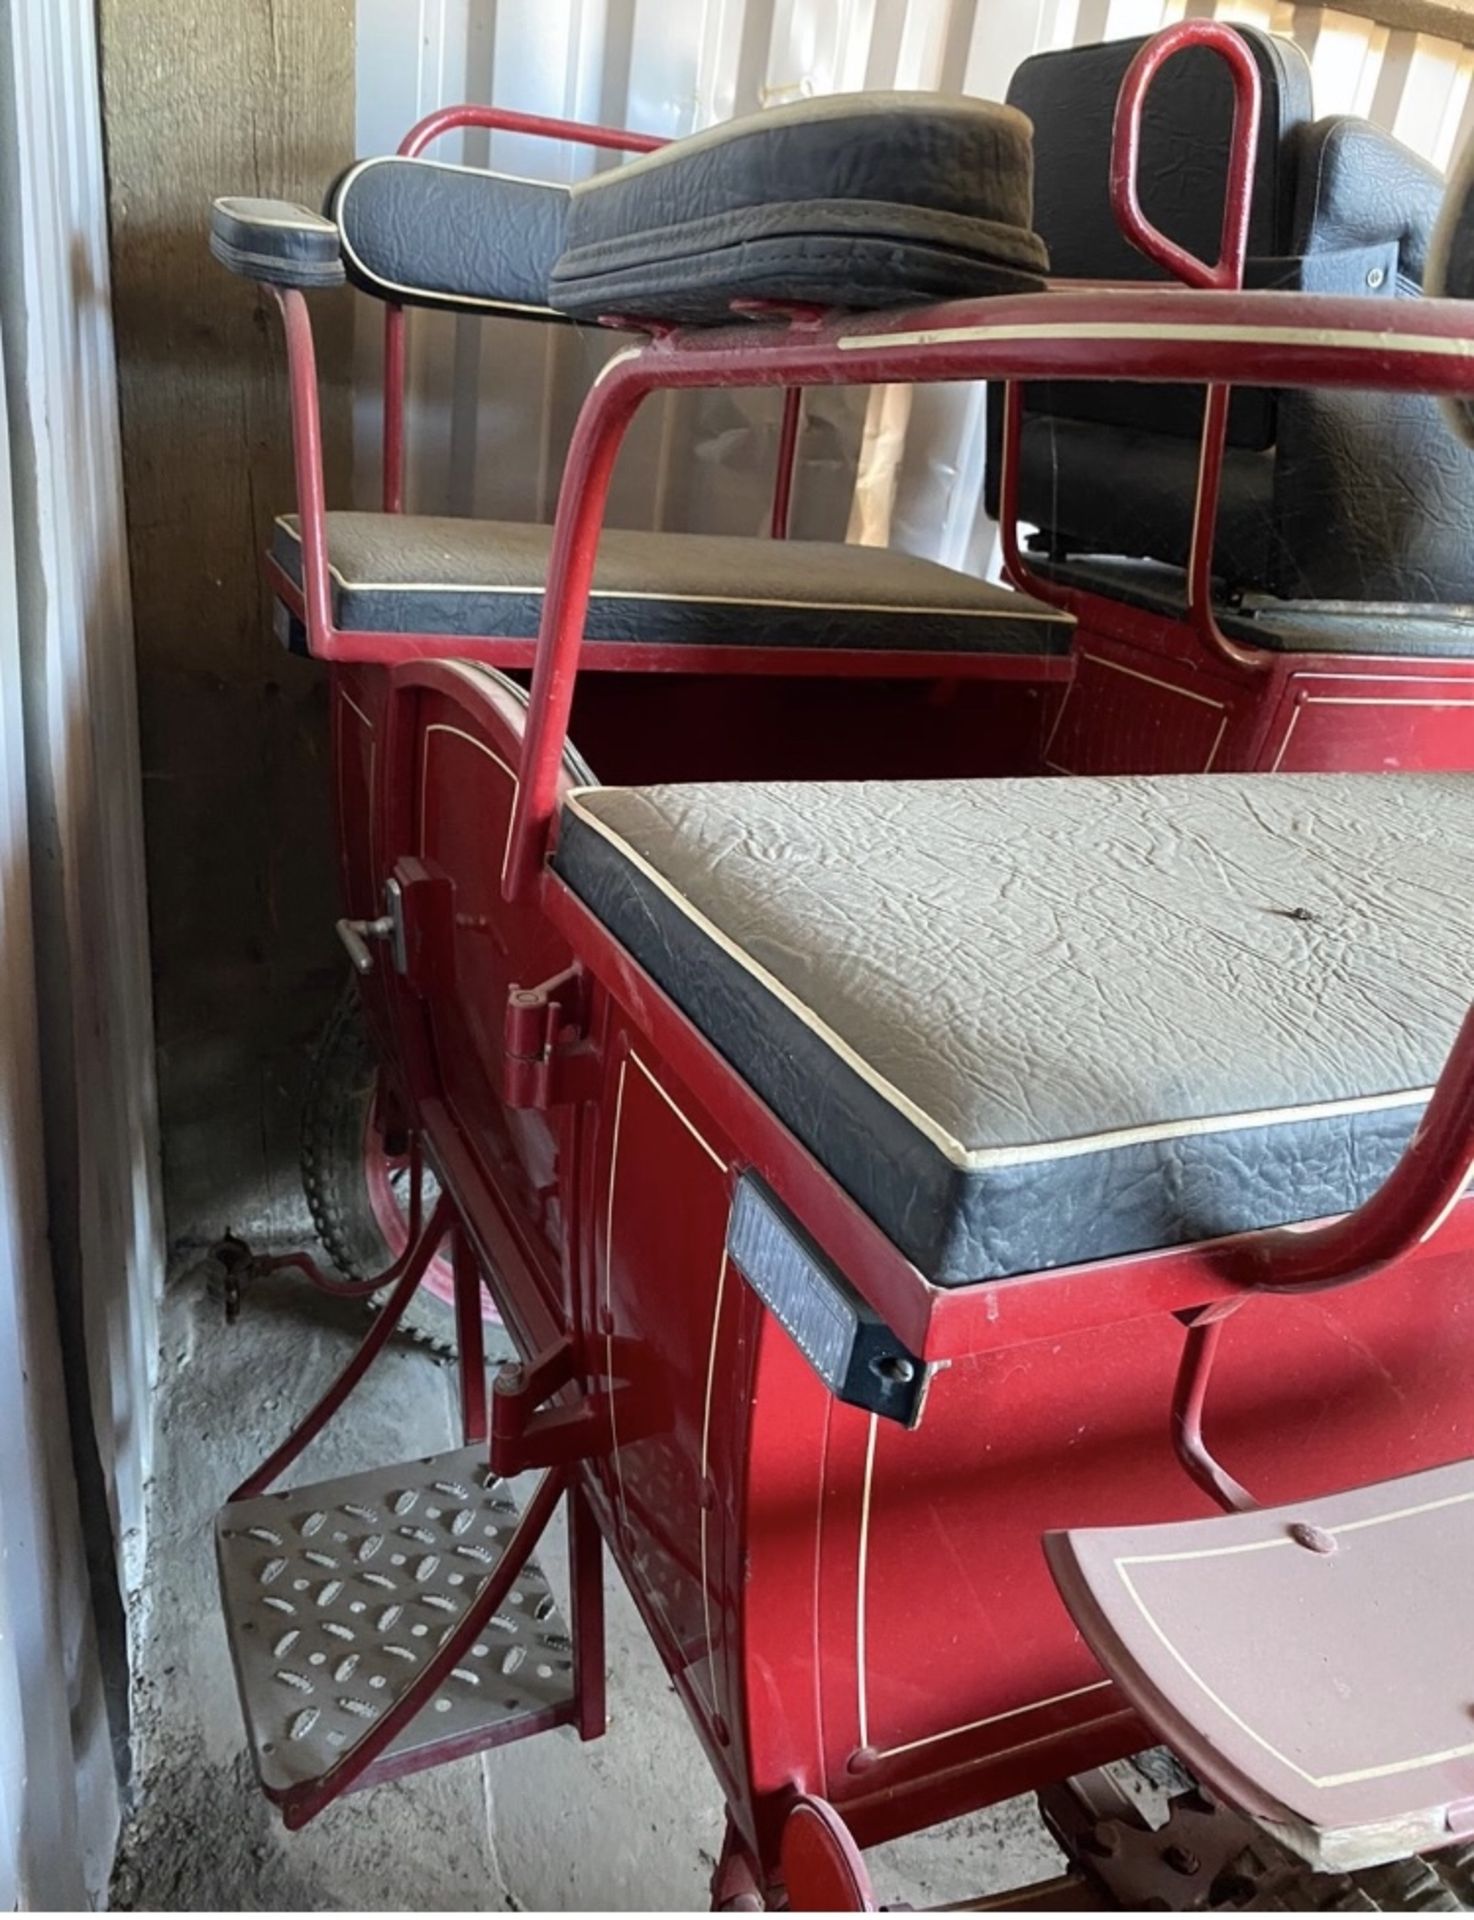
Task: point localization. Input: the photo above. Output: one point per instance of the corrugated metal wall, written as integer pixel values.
(79, 1201)
(492, 402)
(82, 731)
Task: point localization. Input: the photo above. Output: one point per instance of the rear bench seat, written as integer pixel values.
(397, 573)
(1032, 1023)
(859, 200)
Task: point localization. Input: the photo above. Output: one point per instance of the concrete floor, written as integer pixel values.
(630, 1822)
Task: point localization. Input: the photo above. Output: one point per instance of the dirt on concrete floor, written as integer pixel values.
(630, 1822)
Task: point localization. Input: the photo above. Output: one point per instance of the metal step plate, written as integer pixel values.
(336, 1595)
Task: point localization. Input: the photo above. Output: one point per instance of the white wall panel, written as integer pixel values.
(83, 757)
(79, 1197)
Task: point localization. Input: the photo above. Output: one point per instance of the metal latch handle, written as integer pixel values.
(356, 934)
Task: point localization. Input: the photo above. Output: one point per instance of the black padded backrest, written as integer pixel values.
(1070, 96)
(428, 234)
(1450, 270)
(1357, 187)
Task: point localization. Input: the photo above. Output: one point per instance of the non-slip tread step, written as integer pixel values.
(337, 1594)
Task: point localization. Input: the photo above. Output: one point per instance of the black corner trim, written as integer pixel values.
(843, 1339)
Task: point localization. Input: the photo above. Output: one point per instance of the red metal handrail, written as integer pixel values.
(1152, 334)
(317, 592)
(1408, 1208)
(793, 403)
(1228, 270)
(1226, 273)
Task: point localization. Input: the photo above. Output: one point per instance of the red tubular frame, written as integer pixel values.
(793, 404)
(1155, 334)
(1405, 1211)
(1227, 272)
(1189, 1398)
(390, 1314)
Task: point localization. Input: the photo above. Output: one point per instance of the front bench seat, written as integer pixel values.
(1326, 495)
(1027, 1023)
(400, 573)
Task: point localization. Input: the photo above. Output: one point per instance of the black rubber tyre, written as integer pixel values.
(334, 1125)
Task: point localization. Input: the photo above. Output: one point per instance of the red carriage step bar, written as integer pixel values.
(878, 1174)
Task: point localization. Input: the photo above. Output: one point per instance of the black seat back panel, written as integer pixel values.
(1070, 96)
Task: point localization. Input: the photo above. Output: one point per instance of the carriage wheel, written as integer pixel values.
(357, 1190)
(823, 1869)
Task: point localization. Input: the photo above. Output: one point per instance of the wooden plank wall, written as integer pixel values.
(255, 97)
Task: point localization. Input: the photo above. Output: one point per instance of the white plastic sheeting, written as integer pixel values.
(491, 403)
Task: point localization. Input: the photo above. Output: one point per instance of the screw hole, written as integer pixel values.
(894, 1369)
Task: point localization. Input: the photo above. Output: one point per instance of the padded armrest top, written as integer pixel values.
(276, 242)
(858, 200)
(428, 234)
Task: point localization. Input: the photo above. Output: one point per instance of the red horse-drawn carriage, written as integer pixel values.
(882, 1156)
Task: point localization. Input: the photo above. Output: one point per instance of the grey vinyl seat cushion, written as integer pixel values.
(1029, 1023)
(399, 573)
(856, 200)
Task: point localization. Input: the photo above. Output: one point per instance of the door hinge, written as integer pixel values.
(539, 1416)
(547, 1058)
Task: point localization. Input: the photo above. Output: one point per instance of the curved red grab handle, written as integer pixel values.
(580, 133)
(1228, 269)
(1408, 1208)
